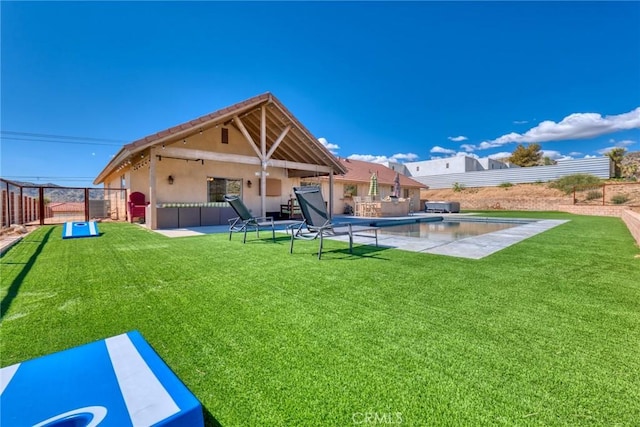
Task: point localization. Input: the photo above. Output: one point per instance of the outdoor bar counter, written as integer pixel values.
(392, 207)
(179, 215)
(383, 208)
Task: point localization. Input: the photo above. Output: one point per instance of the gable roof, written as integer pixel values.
(298, 146)
(360, 171)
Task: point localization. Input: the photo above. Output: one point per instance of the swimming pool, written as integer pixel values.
(448, 230)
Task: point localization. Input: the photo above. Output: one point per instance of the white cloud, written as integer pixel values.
(408, 156)
(625, 143)
(619, 144)
(520, 122)
(501, 155)
(398, 157)
(588, 156)
(575, 154)
(457, 138)
(464, 154)
(331, 147)
(441, 150)
(574, 126)
(454, 154)
(468, 147)
(555, 155)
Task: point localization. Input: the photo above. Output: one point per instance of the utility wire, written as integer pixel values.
(44, 135)
(47, 177)
(59, 142)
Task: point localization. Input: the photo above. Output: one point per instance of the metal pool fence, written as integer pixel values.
(40, 205)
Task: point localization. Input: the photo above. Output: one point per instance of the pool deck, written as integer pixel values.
(476, 247)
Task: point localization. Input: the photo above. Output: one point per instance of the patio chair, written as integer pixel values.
(318, 223)
(137, 206)
(246, 221)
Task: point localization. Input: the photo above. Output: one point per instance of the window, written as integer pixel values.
(417, 168)
(447, 166)
(123, 184)
(224, 135)
(350, 190)
(218, 187)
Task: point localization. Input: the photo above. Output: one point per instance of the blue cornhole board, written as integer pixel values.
(79, 229)
(119, 382)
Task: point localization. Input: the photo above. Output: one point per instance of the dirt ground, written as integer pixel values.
(528, 193)
(516, 191)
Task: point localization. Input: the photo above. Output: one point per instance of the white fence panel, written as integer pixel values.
(598, 166)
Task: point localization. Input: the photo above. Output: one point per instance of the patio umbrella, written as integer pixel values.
(396, 186)
(373, 185)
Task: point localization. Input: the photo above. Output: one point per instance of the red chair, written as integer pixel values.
(137, 206)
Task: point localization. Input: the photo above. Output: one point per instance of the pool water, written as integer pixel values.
(446, 230)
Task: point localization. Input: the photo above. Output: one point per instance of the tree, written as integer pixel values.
(617, 155)
(526, 156)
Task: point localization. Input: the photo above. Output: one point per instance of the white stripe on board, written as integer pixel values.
(68, 229)
(92, 228)
(6, 374)
(148, 402)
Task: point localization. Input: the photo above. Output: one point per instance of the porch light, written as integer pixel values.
(170, 179)
(249, 184)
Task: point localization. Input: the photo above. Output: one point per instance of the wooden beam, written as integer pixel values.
(246, 134)
(331, 194)
(297, 165)
(263, 156)
(190, 154)
(151, 219)
(278, 141)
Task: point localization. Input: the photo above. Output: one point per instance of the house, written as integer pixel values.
(255, 149)
(65, 210)
(355, 183)
(485, 172)
(456, 164)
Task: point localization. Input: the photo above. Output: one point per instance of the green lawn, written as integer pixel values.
(546, 332)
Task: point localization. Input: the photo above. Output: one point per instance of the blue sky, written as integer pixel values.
(374, 81)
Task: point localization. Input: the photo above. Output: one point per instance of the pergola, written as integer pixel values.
(276, 137)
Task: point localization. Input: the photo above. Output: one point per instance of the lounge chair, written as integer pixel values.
(318, 223)
(245, 221)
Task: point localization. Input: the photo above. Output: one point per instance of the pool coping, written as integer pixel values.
(476, 247)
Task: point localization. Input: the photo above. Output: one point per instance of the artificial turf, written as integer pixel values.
(545, 332)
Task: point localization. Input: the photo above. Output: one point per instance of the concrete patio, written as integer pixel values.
(476, 247)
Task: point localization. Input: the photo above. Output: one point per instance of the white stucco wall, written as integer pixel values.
(438, 166)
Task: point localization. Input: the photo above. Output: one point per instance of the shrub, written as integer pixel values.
(579, 181)
(619, 199)
(594, 194)
(458, 187)
(505, 185)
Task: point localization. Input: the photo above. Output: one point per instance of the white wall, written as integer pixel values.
(599, 166)
(438, 166)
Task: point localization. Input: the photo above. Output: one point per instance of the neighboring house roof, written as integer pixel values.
(66, 207)
(360, 171)
(298, 146)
